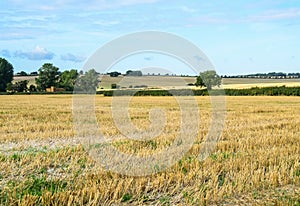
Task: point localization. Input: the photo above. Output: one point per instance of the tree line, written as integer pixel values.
(270, 75)
(254, 91)
(48, 76)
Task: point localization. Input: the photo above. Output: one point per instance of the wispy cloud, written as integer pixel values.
(5, 53)
(187, 9)
(277, 15)
(106, 23)
(14, 34)
(39, 53)
(85, 5)
(72, 58)
(121, 3)
(264, 16)
(208, 19)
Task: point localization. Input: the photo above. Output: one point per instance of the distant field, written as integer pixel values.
(31, 79)
(149, 81)
(241, 83)
(177, 82)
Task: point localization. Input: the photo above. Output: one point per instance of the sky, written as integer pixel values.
(239, 37)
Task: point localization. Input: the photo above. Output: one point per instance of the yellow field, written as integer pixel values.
(228, 83)
(257, 160)
(177, 82)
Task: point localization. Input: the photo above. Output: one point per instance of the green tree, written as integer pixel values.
(88, 82)
(134, 73)
(22, 73)
(48, 76)
(6, 74)
(20, 86)
(32, 88)
(208, 79)
(114, 74)
(68, 79)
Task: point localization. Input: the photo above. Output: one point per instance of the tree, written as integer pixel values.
(88, 83)
(114, 74)
(20, 86)
(208, 79)
(32, 88)
(68, 79)
(22, 73)
(128, 72)
(34, 74)
(48, 76)
(134, 73)
(6, 74)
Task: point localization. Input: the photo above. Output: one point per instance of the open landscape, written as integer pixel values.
(154, 81)
(256, 161)
(149, 102)
(227, 83)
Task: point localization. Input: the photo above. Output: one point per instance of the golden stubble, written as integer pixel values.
(256, 160)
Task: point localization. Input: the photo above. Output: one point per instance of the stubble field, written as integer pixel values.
(256, 161)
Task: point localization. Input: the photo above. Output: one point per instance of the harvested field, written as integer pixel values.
(256, 161)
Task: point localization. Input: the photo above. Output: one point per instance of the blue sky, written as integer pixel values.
(239, 37)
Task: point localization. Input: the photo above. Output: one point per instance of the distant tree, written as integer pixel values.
(32, 88)
(88, 83)
(20, 86)
(6, 74)
(134, 73)
(34, 74)
(128, 72)
(208, 79)
(22, 73)
(9, 87)
(68, 79)
(114, 74)
(48, 76)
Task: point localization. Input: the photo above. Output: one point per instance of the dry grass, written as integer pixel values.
(228, 83)
(31, 79)
(257, 160)
(175, 82)
(246, 85)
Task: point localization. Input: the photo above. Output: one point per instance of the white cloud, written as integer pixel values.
(277, 15)
(69, 4)
(72, 58)
(132, 2)
(187, 9)
(39, 53)
(106, 23)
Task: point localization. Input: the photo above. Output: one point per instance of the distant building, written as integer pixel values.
(54, 89)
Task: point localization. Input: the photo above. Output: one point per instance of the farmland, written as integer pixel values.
(228, 83)
(177, 82)
(256, 161)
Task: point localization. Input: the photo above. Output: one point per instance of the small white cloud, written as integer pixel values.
(72, 58)
(106, 23)
(47, 8)
(39, 53)
(187, 9)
